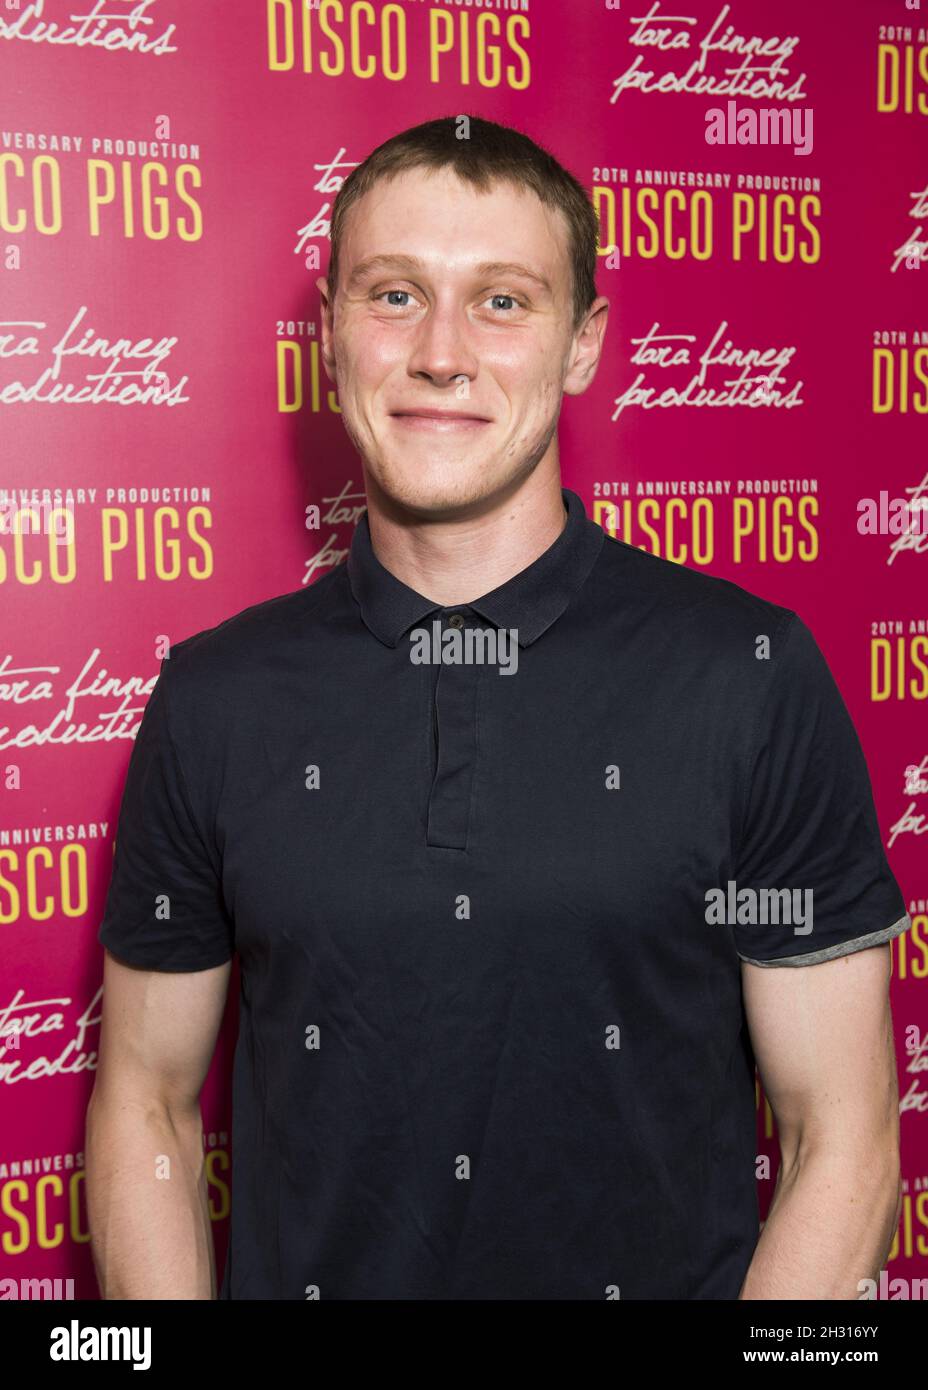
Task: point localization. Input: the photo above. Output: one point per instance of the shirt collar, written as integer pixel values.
(530, 601)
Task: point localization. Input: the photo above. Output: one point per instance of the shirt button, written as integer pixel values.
(456, 620)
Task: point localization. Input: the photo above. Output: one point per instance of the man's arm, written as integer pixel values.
(823, 1040)
(150, 1233)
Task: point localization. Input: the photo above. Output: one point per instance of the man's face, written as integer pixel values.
(480, 328)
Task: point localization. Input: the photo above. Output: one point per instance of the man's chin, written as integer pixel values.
(434, 491)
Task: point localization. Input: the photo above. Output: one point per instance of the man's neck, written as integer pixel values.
(458, 560)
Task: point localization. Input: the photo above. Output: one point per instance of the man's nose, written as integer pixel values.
(442, 349)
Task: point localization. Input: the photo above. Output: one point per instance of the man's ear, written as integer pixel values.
(327, 305)
(587, 348)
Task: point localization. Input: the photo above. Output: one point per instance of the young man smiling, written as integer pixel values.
(491, 1045)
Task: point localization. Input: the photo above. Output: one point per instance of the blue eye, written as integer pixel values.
(515, 302)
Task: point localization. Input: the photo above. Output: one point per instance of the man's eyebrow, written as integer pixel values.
(484, 269)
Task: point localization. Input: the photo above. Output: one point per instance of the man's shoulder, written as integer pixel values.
(694, 606)
(248, 639)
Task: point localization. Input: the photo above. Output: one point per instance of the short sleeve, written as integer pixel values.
(164, 909)
(810, 825)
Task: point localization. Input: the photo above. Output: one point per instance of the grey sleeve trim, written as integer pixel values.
(843, 948)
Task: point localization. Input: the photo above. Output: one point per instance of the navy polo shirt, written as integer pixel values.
(490, 922)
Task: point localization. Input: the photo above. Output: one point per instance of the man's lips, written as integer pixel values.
(438, 419)
(437, 415)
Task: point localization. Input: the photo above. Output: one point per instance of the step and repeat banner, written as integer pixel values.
(167, 174)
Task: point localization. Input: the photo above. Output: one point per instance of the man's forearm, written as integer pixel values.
(147, 1202)
(831, 1224)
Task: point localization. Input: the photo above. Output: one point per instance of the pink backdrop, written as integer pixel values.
(167, 172)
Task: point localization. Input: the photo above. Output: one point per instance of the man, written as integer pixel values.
(518, 832)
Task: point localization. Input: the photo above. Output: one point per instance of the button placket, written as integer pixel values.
(454, 728)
